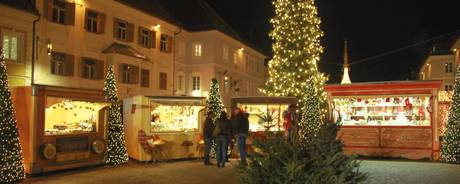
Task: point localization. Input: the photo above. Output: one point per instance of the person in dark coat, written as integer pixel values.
(208, 128)
(223, 135)
(240, 128)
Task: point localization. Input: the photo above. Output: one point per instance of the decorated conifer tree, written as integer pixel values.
(116, 148)
(450, 151)
(11, 160)
(214, 102)
(311, 118)
(296, 51)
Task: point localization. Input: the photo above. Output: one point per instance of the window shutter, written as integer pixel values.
(135, 74)
(70, 14)
(100, 69)
(153, 39)
(139, 35)
(80, 66)
(130, 36)
(101, 23)
(115, 27)
(69, 65)
(85, 22)
(48, 11)
(169, 43)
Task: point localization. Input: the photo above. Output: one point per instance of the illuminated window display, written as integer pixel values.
(383, 111)
(175, 118)
(65, 116)
(256, 111)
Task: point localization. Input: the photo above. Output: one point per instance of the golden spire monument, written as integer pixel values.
(346, 65)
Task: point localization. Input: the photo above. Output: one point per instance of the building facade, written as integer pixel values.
(440, 65)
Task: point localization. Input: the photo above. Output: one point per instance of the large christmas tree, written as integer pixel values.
(296, 50)
(450, 151)
(116, 148)
(11, 161)
(214, 102)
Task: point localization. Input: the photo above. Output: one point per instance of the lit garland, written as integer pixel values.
(11, 160)
(450, 151)
(310, 116)
(116, 145)
(296, 34)
(214, 102)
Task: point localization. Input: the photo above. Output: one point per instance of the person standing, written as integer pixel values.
(240, 126)
(223, 135)
(208, 128)
(290, 122)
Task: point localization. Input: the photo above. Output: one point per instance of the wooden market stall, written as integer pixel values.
(387, 119)
(166, 127)
(60, 128)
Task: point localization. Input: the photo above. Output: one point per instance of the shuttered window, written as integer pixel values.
(60, 11)
(91, 69)
(94, 21)
(145, 78)
(62, 64)
(129, 74)
(166, 43)
(163, 80)
(123, 30)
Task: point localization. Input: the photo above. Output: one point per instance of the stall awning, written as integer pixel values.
(178, 100)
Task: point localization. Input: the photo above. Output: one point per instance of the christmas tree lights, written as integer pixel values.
(296, 50)
(311, 120)
(116, 145)
(214, 102)
(11, 160)
(450, 151)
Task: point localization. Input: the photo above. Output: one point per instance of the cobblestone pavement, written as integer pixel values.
(194, 172)
(410, 172)
(190, 172)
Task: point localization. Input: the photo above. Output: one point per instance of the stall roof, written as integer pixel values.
(384, 88)
(178, 100)
(264, 99)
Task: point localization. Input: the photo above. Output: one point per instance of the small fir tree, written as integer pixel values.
(11, 160)
(214, 102)
(116, 148)
(280, 162)
(450, 151)
(311, 115)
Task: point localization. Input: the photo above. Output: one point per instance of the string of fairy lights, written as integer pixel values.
(116, 143)
(11, 160)
(296, 52)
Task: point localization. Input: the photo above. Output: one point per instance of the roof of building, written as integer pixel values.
(198, 15)
(26, 5)
(125, 50)
(151, 7)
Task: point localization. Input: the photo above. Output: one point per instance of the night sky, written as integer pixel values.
(372, 27)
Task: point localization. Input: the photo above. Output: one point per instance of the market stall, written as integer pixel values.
(172, 123)
(68, 131)
(387, 119)
(260, 108)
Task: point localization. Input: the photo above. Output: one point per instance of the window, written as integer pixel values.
(448, 87)
(91, 21)
(61, 64)
(196, 83)
(12, 47)
(89, 69)
(145, 78)
(122, 29)
(163, 80)
(144, 38)
(448, 67)
(59, 11)
(180, 82)
(197, 50)
(235, 57)
(225, 54)
(163, 43)
(129, 74)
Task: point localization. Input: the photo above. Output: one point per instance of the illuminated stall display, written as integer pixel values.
(174, 118)
(383, 111)
(258, 107)
(64, 116)
(387, 119)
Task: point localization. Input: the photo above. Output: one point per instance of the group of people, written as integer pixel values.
(223, 130)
